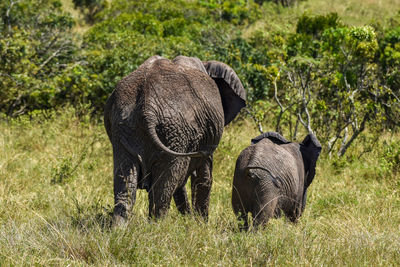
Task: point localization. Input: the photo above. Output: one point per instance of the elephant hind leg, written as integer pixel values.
(241, 215)
(181, 200)
(125, 185)
(201, 188)
(160, 196)
(293, 213)
(239, 206)
(263, 211)
(165, 181)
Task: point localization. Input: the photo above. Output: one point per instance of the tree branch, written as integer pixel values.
(55, 54)
(250, 111)
(356, 133)
(12, 3)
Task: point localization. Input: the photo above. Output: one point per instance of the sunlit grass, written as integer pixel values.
(276, 18)
(354, 12)
(56, 196)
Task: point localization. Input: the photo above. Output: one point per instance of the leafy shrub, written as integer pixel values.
(37, 52)
(281, 2)
(390, 158)
(90, 8)
(315, 26)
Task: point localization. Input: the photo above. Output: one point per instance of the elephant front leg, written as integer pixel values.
(201, 188)
(125, 185)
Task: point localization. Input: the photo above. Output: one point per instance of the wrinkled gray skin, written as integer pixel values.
(272, 175)
(164, 121)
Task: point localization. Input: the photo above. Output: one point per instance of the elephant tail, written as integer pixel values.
(142, 182)
(154, 136)
(275, 179)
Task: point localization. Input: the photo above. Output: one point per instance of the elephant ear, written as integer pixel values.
(312, 142)
(273, 136)
(310, 149)
(230, 87)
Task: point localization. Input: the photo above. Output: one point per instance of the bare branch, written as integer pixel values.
(345, 82)
(392, 93)
(305, 102)
(296, 127)
(356, 133)
(12, 3)
(250, 111)
(334, 139)
(306, 125)
(282, 108)
(55, 54)
(12, 78)
(279, 104)
(344, 140)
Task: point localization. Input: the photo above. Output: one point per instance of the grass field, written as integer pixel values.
(56, 196)
(56, 191)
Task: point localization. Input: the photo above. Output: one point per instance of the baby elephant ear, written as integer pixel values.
(230, 87)
(312, 142)
(273, 136)
(310, 149)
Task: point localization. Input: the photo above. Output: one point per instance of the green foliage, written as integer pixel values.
(90, 8)
(333, 83)
(37, 53)
(390, 57)
(237, 12)
(389, 160)
(285, 3)
(63, 172)
(315, 26)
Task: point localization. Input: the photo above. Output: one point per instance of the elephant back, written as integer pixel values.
(189, 63)
(126, 93)
(184, 107)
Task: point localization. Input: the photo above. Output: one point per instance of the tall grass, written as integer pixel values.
(56, 196)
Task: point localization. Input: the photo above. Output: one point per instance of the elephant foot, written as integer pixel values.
(119, 221)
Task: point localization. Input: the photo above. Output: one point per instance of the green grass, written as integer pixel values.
(354, 12)
(56, 196)
(80, 26)
(276, 18)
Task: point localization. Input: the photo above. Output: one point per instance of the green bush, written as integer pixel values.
(37, 51)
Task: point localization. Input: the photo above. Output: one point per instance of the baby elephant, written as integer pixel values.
(271, 175)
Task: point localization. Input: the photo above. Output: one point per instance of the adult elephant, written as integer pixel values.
(272, 175)
(164, 121)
